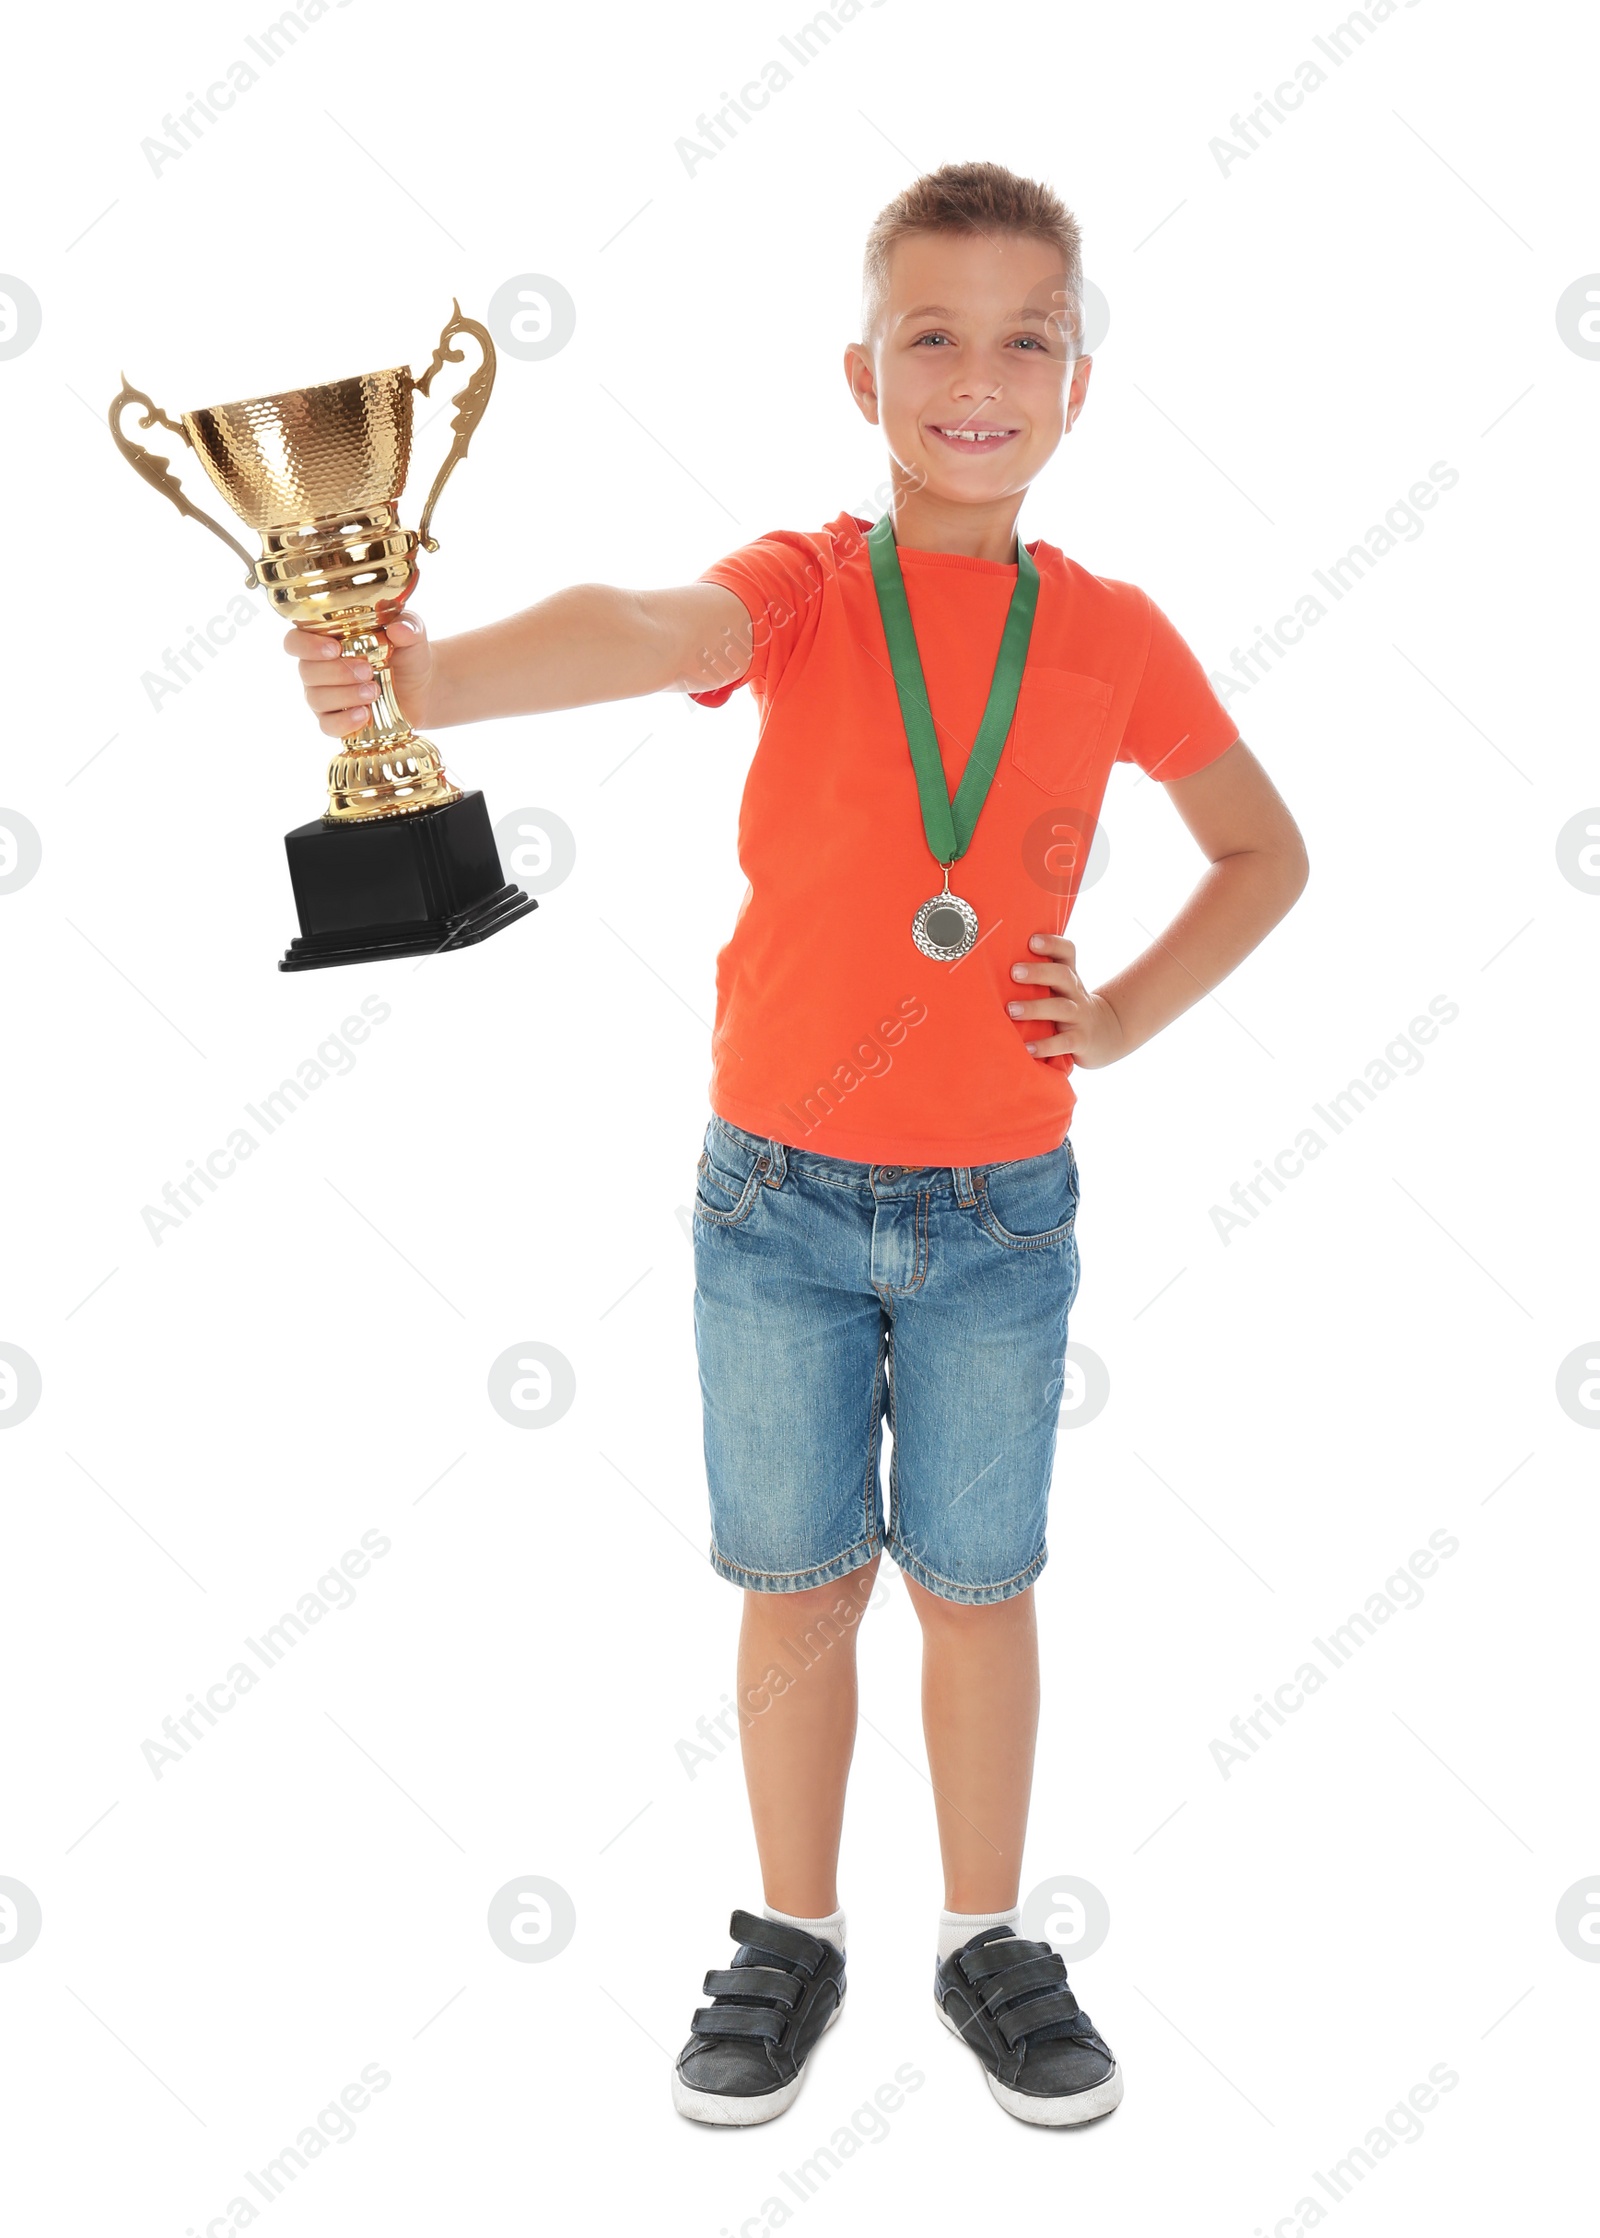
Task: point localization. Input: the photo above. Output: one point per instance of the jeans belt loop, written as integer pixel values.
(777, 1165)
(965, 1193)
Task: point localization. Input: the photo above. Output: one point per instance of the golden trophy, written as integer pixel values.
(402, 862)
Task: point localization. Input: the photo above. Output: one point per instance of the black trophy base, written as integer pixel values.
(398, 886)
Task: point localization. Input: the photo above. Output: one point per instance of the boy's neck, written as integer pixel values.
(925, 523)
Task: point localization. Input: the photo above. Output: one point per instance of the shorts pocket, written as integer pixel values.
(727, 1183)
(1029, 1203)
(1060, 717)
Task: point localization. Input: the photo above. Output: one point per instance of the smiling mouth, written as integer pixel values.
(975, 436)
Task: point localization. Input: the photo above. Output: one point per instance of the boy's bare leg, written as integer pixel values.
(797, 1704)
(980, 1715)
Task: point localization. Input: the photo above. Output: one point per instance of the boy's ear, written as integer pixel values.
(1078, 390)
(863, 385)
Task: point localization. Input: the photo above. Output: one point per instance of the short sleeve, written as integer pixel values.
(778, 578)
(1177, 724)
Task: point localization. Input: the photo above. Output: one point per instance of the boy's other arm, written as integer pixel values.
(1258, 870)
(589, 643)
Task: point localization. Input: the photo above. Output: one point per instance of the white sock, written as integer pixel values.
(829, 1930)
(956, 1928)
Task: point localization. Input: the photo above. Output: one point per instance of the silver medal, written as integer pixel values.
(945, 927)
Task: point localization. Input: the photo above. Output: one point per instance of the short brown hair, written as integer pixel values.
(971, 198)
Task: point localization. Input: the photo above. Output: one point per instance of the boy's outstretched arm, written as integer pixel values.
(1258, 869)
(592, 642)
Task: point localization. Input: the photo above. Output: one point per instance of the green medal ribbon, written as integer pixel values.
(949, 826)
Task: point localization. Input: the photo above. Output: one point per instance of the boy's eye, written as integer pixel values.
(937, 335)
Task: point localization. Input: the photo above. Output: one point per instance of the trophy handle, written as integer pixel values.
(155, 469)
(471, 403)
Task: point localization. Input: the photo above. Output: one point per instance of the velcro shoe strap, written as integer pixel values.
(1033, 1973)
(994, 1958)
(1036, 2012)
(769, 1983)
(793, 1943)
(740, 2020)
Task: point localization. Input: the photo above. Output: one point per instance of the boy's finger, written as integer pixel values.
(335, 699)
(345, 720)
(311, 645)
(1061, 977)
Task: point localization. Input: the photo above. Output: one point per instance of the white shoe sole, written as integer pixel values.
(1047, 2113)
(742, 2113)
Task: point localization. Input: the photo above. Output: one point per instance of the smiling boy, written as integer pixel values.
(887, 1191)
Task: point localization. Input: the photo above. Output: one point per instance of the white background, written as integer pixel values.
(1292, 344)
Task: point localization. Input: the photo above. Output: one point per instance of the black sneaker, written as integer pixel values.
(1009, 2001)
(745, 2060)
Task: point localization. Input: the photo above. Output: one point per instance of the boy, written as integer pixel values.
(887, 1190)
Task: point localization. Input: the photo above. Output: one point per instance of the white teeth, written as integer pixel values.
(976, 435)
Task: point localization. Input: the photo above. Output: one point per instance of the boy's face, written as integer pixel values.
(972, 376)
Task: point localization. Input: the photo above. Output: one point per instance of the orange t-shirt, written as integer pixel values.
(834, 1033)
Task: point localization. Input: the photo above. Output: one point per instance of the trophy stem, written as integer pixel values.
(384, 769)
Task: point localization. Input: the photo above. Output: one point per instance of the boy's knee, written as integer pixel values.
(838, 1603)
(936, 1613)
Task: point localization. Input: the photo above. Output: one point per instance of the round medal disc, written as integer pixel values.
(945, 927)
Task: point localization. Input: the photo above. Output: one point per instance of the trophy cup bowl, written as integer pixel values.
(401, 862)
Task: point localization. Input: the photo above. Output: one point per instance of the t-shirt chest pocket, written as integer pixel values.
(1061, 716)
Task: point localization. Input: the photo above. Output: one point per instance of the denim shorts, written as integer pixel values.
(832, 1296)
